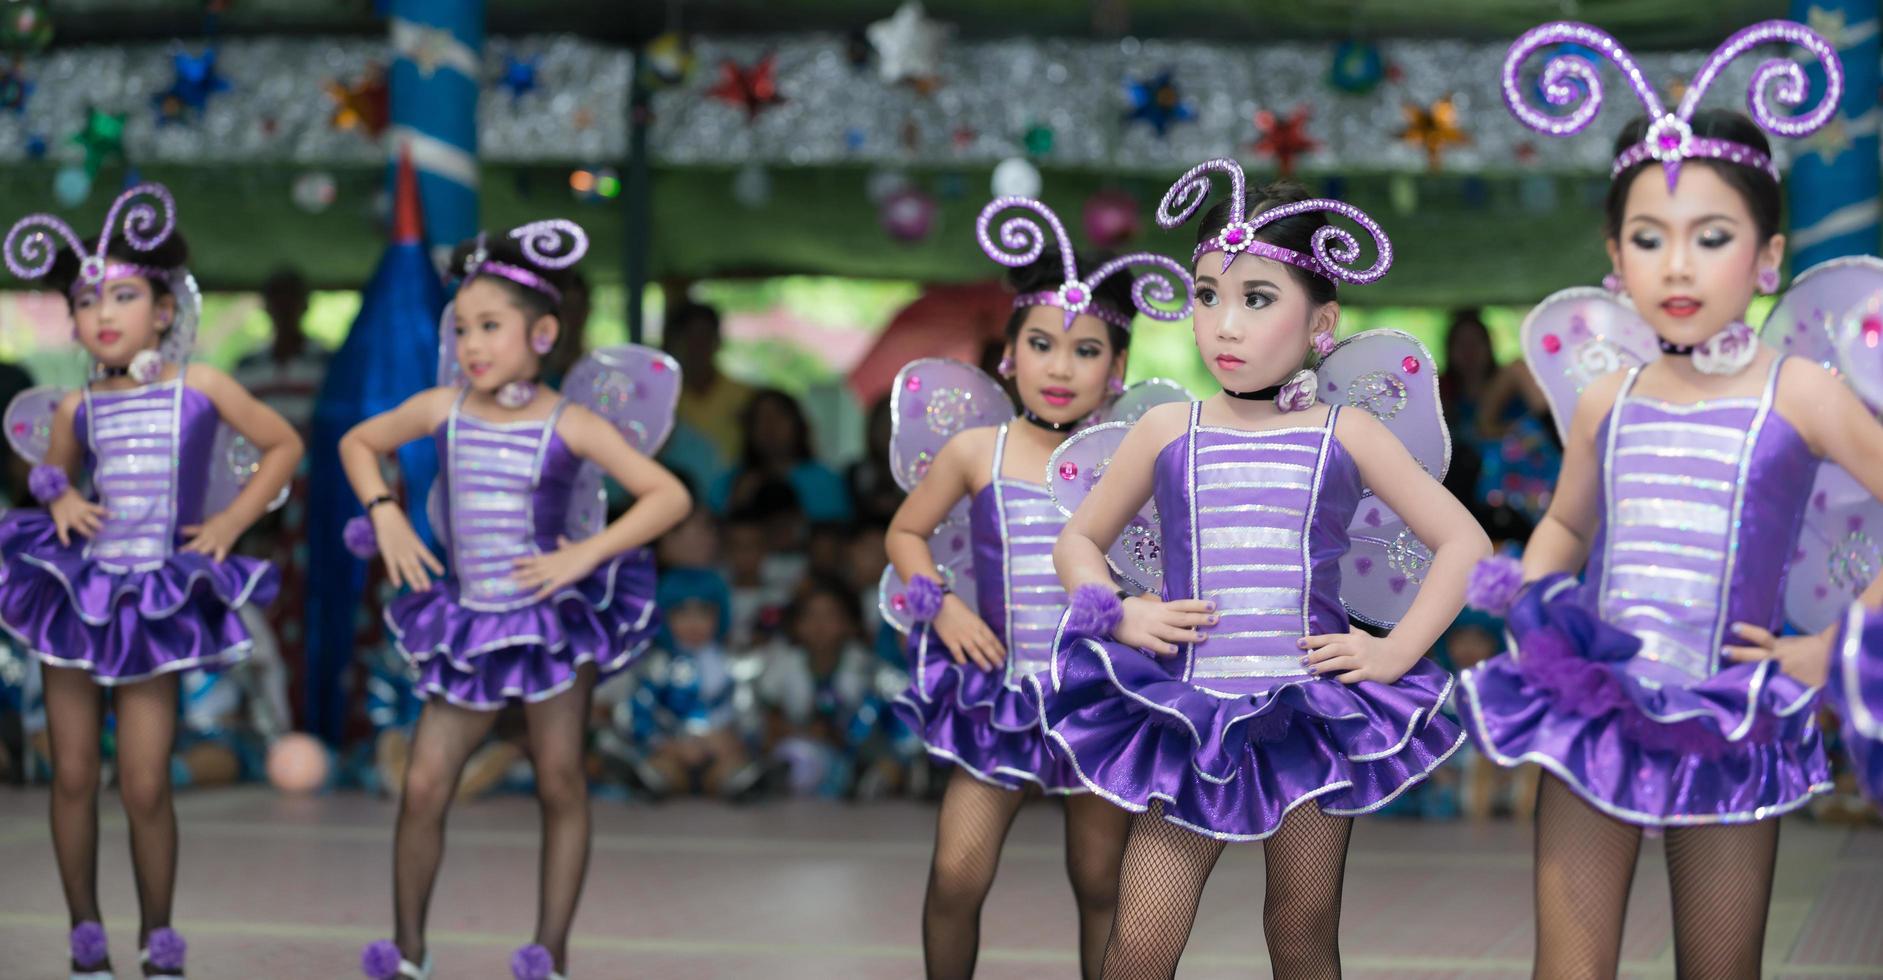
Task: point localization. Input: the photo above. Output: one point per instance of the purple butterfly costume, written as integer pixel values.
(127, 605)
(478, 638)
(1617, 686)
(1232, 733)
(1855, 689)
(979, 719)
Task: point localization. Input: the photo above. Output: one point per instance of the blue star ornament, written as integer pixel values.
(196, 80)
(1158, 103)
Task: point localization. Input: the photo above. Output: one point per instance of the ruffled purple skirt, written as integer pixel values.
(1232, 766)
(124, 627)
(1855, 689)
(969, 717)
(1736, 747)
(481, 659)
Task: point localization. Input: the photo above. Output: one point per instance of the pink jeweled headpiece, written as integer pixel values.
(1670, 137)
(557, 243)
(31, 252)
(1335, 248)
(1022, 242)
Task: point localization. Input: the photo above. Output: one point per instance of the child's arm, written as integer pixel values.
(1439, 520)
(408, 561)
(1562, 538)
(1079, 555)
(262, 426)
(660, 502)
(964, 634)
(70, 511)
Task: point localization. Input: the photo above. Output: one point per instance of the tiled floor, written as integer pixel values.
(286, 889)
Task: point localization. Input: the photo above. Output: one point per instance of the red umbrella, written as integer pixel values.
(945, 321)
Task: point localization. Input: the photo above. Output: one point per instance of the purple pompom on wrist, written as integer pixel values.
(165, 949)
(360, 538)
(380, 960)
(89, 947)
(532, 962)
(47, 482)
(1493, 584)
(925, 598)
(1094, 611)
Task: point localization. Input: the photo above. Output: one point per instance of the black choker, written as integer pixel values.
(114, 372)
(1263, 395)
(1048, 426)
(1678, 350)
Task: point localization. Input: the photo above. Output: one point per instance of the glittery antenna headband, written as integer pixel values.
(1670, 138)
(1335, 248)
(557, 243)
(31, 251)
(1022, 241)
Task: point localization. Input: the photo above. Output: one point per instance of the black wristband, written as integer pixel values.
(384, 498)
(1122, 595)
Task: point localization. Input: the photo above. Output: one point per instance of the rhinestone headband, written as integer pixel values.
(31, 251)
(1335, 248)
(1022, 242)
(1670, 138)
(553, 244)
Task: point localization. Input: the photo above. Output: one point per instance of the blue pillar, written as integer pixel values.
(438, 48)
(1834, 176)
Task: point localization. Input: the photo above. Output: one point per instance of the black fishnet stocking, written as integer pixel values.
(1585, 863)
(969, 833)
(1721, 879)
(1160, 882)
(1307, 864)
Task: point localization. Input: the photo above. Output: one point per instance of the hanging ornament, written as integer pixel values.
(1016, 177)
(364, 106)
(188, 95)
(71, 186)
(1110, 218)
(15, 89)
(25, 27)
(593, 185)
(908, 215)
(315, 191)
(101, 139)
(752, 186)
(753, 89)
(1038, 140)
(668, 60)
(1357, 68)
(908, 46)
(1158, 103)
(1284, 137)
(518, 76)
(1433, 128)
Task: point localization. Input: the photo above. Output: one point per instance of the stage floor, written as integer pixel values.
(289, 889)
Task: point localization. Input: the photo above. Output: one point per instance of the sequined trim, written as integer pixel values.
(1855, 707)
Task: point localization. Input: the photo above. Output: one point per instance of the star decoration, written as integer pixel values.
(1829, 23)
(1157, 103)
(753, 89)
(15, 89)
(1830, 142)
(518, 77)
(363, 106)
(1284, 138)
(1038, 140)
(101, 138)
(196, 80)
(908, 45)
(1433, 128)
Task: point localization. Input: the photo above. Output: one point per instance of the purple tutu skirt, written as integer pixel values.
(971, 718)
(124, 627)
(1736, 747)
(1855, 689)
(1231, 766)
(481, 659)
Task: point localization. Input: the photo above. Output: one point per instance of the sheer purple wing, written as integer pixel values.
(28, 421)
(933, 399)
(953, 549)
(1840, 550)
(1578, 335)
(1140, 398)
(233, 461)
(635, 388)
(1383, 567)
(1071, 473)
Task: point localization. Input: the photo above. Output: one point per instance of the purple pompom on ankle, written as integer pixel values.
(532, 962)
(1493, 584)
(1094, 611)
(380, 960)
(925, 598)
(166, 949)
(360, 538)
(89, 947)
(47, 482)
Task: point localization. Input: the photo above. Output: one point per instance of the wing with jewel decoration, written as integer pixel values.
(933, 399)
(1389, 375)
(638, 390)
(1140, 398)
(233, 461)
(1074, 469)
(1578, 335)
(28, 421)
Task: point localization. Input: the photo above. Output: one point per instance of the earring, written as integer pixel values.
(1116, 385)
(1612, 283)
(1324, 343)
(542, 344)
(1006, 366)
(1768, 281)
